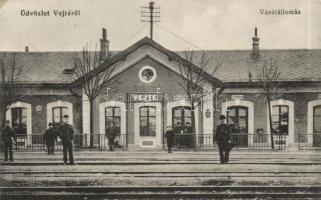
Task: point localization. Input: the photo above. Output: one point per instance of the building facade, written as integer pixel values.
(148, 97)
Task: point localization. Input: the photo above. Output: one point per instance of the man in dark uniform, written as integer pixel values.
(111, 135)
(170, 138)
(7, 135)
(180, 138)
(66, 133)
(49, 138)
(223, 140)
(178, 128)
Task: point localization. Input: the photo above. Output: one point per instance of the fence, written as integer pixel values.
(181, 142)
(240, 141)
(80, 141)
(309, 141)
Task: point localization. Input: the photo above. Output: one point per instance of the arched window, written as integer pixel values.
(280, 119)
(147, 120)
(58, 114)
(182, 119)
(112, 117)
(237, 117)
(19, 120)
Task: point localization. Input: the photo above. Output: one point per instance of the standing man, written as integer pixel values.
(111, 135)
(7, 135)
(223, 139)
(66, 133)
(49, 138)
(178, 128)
(170, 138)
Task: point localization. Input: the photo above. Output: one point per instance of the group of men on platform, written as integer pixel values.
(64, 131)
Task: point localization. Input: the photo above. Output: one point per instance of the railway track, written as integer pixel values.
(165, 192)
(126, 163)
(162, 176)
(162, 173)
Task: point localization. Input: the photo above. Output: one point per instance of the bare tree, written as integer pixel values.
(268, 79)
(10, 85)
(92, 86)
(193, 78)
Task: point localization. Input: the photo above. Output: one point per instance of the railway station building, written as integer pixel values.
(149, 97)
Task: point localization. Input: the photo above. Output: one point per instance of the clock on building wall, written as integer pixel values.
(147, 74)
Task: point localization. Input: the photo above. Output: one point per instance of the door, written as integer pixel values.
(147, 126)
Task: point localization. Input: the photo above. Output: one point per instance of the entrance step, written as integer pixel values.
(292, 147)
(135, 147)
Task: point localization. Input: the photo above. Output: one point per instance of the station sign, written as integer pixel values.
(145, 97)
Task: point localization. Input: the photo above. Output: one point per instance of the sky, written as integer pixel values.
(185, 24)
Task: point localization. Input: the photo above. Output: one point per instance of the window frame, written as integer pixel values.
(140, 75)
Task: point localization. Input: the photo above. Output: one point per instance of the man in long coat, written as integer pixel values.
(8, 134)
(223, 139)
(66, 133)
(50, 137)
(170, 138)
(111, 135)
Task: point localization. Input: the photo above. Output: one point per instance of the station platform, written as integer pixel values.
(162, 157)
(151, 172)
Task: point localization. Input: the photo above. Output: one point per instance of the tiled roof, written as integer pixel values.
(43, 67)
(294, 65)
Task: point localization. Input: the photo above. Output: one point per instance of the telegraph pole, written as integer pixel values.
(150, 14)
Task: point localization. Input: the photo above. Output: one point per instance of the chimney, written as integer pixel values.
(26, 49)
(255, 48)
(104, 46)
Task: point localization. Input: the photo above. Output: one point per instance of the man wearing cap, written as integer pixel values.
(7, 135)
(49, 138)
(66, 133)
(223, 139)
(170, 138)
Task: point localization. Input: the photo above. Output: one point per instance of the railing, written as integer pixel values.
(309, 141)
(240, 141)
(80, 141)
(181, 142)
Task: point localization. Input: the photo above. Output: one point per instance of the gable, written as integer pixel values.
(143, 53)
(166, 81)
(141, 49)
